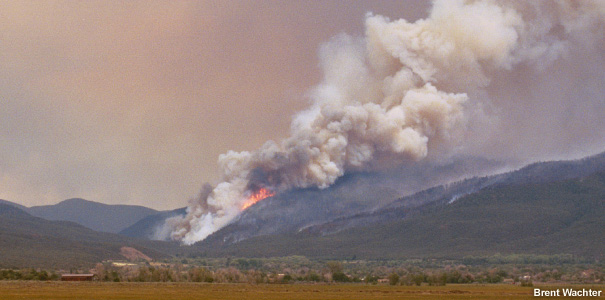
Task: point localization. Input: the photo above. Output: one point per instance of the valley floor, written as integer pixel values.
(166, 291)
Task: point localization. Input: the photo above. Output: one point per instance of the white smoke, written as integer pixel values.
(398, 94)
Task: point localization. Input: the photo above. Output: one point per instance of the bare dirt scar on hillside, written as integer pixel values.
(133, 254)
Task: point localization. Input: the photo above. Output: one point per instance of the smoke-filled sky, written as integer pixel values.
(506, 80)
(132, 102)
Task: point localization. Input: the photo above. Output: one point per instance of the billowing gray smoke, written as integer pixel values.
(432, 88)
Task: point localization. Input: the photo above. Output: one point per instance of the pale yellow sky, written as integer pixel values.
(131, 102)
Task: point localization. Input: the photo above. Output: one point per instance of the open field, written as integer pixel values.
(165, 291)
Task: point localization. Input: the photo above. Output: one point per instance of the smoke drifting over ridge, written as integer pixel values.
(433, 88)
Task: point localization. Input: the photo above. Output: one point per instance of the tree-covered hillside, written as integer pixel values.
(538, 218)
(28, 241)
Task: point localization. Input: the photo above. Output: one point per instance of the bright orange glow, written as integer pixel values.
(258, 196)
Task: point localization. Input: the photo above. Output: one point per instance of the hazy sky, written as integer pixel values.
(132, 101)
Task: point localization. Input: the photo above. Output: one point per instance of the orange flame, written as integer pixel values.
(258, 196)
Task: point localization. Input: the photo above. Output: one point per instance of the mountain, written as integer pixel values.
(542, 172)
(293, 209)
(543, 208)
(13, 204)
(352, 194)
(349, 202)
(534, 217)
(271, 213)
(28, 241)
(94, 215)
(147, 227)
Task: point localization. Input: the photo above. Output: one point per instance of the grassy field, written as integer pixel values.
(165, 291)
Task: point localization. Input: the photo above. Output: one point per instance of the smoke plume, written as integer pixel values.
(436, 87)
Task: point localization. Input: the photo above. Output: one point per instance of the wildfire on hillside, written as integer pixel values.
(259, 195)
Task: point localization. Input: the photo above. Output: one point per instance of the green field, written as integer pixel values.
(165, 291)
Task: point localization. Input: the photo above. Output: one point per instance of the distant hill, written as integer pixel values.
(28, 241)
(94, 215)
(534, 217)
(13, 204)
(146, 227)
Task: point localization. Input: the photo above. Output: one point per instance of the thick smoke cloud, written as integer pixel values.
(408, 91)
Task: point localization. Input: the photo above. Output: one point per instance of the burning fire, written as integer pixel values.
(258, 196)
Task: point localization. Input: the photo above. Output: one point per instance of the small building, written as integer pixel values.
(77, 277)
